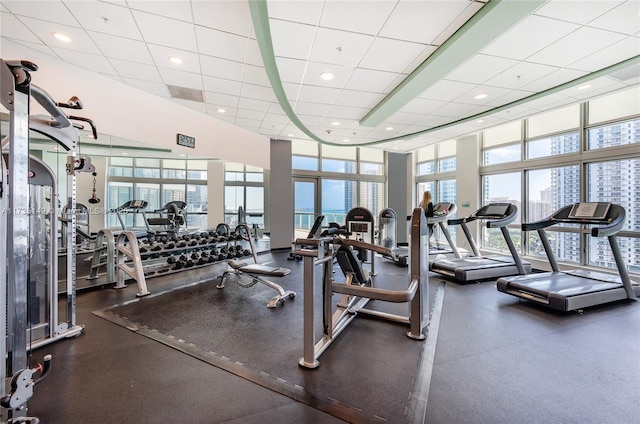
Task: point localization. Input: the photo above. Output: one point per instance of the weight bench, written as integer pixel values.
(245, 277)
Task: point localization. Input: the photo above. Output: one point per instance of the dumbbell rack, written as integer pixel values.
(141, 261)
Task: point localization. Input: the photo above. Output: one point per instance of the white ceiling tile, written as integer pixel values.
(290, 70)
(345, 112)
(456, 23)
(508, 97)
(180, 10)
(421, 21)
(348, 15)
(161, 55)
(391, 55)
(311, 109)
(575, 46)
(274, 117)
(456, 110)
(51, 11)
(577, 12)
(306, 12)
(617, 52)
(315, 94)
(520, 43)
(358, 98)
(253, 53)
(417, 61)
(250, 124)
(617, 19)
(493, 93)
(310, 121)
(480, 68)
(446, 90)
(253, 104)
(154, 30)
(80, 41)
(272, 128)
(423, 106)
(122, 48)
(556, 78)
(339, 47)
(37, 47)
(218, 99)
(14, 29)
(221, 44)
(181, 78)
(275, 108)
(291, 39)
(520, 75)
(314, 69)
(549, 102)
(516, 112)
(229, 112)
(88, 61)
(104, 17)
(159, 89)
(404, 118)
(250, 114)
(257, 92)
(228, 16)
(221, 68)
(370, 80)
(596, 88)
(255, 75)
(3, 8)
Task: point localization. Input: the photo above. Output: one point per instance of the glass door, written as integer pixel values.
(305, 201)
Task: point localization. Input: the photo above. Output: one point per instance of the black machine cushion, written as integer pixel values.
(350, 264)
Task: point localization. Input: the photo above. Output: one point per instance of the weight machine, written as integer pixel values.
(358, 289)
(28, 228)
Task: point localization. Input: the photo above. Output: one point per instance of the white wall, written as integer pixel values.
(215, 193)
(123, 111)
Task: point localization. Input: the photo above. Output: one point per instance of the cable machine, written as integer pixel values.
(28, 281)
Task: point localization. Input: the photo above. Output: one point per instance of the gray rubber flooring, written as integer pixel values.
(497, 360)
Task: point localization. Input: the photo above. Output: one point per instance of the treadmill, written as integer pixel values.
(442, 211)
(476, 267)
(576, 289)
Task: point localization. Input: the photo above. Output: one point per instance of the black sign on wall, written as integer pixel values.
(187, 141)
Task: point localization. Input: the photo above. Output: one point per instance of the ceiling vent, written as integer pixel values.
(186, 93)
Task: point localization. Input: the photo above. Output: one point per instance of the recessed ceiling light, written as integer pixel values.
(175, 59)
(584, 87)
(346, 140)
(220, 110)
(125, 153)
(481, 96)
(62, 37)
(480, 121)
(335, 123)
(182, 155)
(327, 76)
(289, 135)
(389, 128)
(395, 148)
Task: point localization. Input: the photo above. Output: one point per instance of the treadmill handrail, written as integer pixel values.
(613, 223)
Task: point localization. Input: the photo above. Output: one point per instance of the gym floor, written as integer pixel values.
(495, 359)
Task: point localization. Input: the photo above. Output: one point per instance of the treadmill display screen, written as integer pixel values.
(441, 208)
(495, 210)
(589, 211)
(359, 227)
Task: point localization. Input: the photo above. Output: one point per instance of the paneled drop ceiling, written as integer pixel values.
(406, 73)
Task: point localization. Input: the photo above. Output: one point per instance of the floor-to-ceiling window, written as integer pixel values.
(347, 177)
(580, 153)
